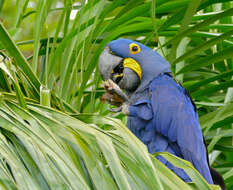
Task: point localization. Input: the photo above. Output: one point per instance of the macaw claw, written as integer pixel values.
(115, 110)
(124, 108)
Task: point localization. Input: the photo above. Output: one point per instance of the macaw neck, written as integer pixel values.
(143, 92)
(152, 65)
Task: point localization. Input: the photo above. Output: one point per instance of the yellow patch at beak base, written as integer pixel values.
(134, 65)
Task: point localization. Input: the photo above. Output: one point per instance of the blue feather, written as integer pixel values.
(174, 127)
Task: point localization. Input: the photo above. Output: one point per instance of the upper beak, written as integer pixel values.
(107, 62)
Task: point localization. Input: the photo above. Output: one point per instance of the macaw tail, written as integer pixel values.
(217, 178)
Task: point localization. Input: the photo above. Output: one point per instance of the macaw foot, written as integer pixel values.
(113, 88)
(109, 85)
(115, 96)
(112, 99)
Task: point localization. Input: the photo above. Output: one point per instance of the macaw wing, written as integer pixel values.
(175, 118)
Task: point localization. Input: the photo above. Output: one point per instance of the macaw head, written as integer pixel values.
(131, 64)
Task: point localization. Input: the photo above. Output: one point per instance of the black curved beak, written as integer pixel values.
(107, 62)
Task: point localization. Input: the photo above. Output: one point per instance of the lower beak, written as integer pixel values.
(133, 65)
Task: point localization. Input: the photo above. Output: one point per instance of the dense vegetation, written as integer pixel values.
(56, 134)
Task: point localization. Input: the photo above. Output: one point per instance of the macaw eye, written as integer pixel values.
(134, 48)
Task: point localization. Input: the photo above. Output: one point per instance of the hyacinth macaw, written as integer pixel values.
(160, 112)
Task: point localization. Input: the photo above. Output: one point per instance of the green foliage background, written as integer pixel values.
(56, 134)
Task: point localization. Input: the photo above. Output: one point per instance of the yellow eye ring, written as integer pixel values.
(134, 48)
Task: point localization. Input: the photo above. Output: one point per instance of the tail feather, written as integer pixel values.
(217, 178)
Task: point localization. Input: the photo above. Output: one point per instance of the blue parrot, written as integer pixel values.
(160, 111)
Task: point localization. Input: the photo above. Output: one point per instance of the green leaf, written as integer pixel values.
(198, 26)
(13, 50)
(221, 55)
(204, 46)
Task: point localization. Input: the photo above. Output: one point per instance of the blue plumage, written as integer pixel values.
(166, 122)
(161, 114)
